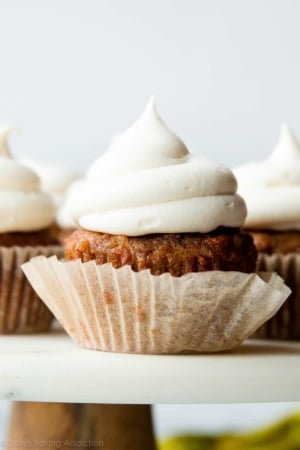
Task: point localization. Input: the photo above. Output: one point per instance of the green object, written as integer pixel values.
(285, 435)
(188, 443)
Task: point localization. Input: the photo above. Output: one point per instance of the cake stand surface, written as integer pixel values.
(67, 397)
(51, 368)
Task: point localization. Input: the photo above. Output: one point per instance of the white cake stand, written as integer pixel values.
(104, 398)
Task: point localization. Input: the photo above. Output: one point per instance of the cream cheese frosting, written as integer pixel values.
(23, 207)
(271, 188)
(148, 182)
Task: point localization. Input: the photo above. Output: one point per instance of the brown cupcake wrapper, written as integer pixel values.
(21, 310)
(121, 310)
(286, 323)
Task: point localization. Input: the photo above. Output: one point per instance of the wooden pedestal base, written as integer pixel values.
(81, 426)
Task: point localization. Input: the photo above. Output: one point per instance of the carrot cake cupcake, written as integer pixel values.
(151, 204)
(271, 189)
(26, 214)
(159, 263)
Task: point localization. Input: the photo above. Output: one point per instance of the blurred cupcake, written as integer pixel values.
(271, 189)
(26, 214)
(54, 179)
(160, 264)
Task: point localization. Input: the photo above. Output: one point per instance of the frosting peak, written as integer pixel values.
(147, 144)
(287, 148)
(4, 133)
(22, 206)
(148, 182)
(14, 175)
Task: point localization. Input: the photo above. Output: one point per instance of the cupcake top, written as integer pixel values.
(148, 182)
(271, 187)
(23, 207)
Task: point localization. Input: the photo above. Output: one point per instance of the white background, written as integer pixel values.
(226, 73)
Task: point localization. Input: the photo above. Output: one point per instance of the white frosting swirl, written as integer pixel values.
(148, 182)
(271, 188)
(22, 206)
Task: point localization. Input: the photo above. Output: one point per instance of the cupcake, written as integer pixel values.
(26, 214)
(271, 189)
(159, 263)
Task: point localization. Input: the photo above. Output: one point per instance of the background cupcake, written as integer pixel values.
(160, 264)
(26, 214)
(54, 179)
(271, 189)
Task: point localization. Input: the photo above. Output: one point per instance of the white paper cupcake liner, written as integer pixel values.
(286, 323)
(21, 311)
(119, 310)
